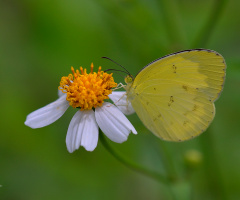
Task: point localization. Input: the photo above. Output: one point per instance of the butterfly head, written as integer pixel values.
(128, 79)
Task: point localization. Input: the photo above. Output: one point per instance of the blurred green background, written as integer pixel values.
(41, 40)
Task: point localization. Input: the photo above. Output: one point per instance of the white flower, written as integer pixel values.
(83, 129)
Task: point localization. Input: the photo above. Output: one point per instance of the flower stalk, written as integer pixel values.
(168, 181)
(134, 166)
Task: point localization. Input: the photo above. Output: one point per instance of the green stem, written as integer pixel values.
(169, 164)
(211, 165)
(169, 10)
(207, 30)
(178, 190)
(138, 168)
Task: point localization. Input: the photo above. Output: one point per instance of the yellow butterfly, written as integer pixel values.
(174, 95)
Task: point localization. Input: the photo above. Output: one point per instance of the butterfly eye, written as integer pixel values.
(128, 79)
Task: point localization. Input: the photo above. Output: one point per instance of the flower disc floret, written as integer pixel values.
(87, 91)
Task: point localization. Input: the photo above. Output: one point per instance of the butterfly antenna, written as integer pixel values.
(118, 70)
(118, 65)
(120, 74)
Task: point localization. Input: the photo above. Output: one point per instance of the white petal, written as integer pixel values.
(120, 100)
(113, 122)
(48, 114)
(82, 131)
(60, 93)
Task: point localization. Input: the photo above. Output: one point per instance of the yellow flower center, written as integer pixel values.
(87, 90)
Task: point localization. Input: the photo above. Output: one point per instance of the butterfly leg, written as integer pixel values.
(115, 102)
(127, 103)
(119, 86)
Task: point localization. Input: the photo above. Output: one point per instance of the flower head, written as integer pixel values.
(88, 93)
(87, 90)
